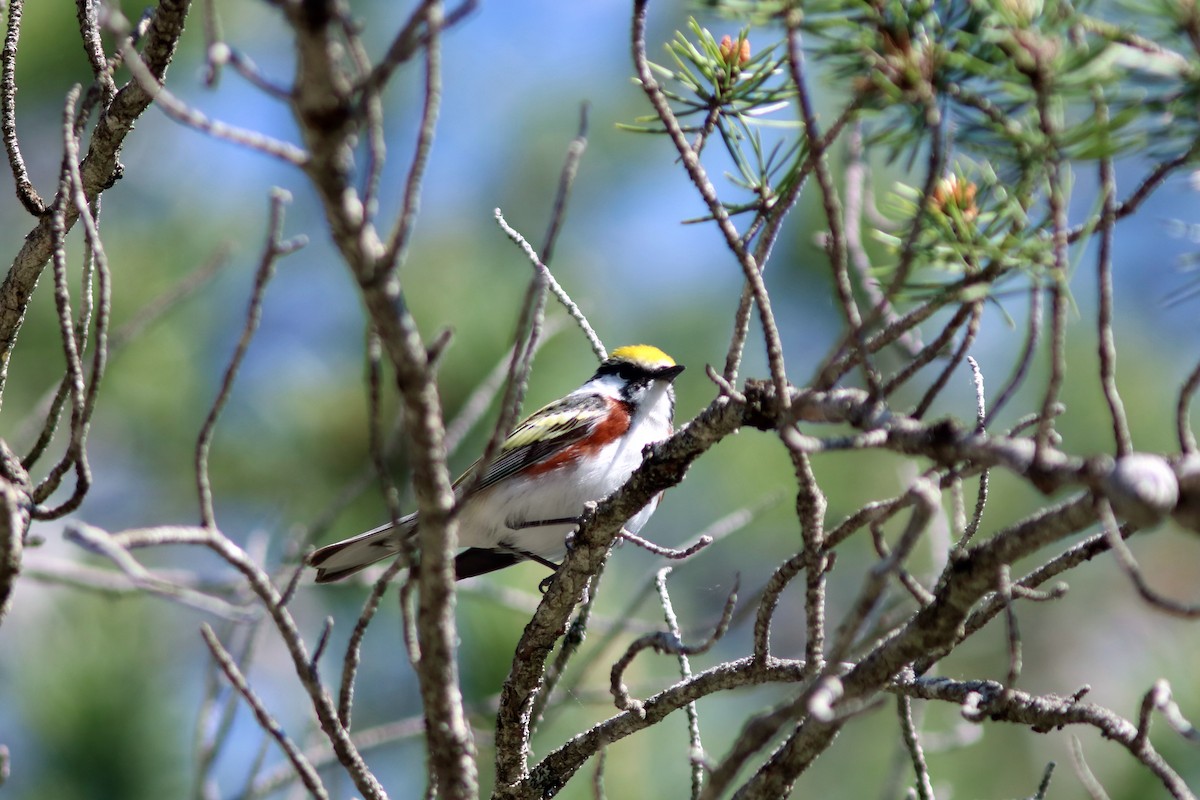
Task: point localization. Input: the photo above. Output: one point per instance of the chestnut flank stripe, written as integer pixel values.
(614, 425)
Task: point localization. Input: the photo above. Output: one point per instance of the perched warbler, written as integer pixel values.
(580, 448)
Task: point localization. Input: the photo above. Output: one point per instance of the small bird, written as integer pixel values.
(580, 448)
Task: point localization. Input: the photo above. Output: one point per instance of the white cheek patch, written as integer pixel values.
(653, 396)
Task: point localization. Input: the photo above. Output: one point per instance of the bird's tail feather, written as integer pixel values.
(344, 558)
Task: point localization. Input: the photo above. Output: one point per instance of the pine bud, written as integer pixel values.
(734, 55)
(951, 193)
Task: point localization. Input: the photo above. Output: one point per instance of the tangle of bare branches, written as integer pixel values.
(992, 127)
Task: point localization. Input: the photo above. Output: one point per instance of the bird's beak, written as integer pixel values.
(669, 374)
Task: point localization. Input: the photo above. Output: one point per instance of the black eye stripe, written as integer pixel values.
(631, 373)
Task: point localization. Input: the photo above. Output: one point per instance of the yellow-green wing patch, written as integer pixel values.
(543, 434)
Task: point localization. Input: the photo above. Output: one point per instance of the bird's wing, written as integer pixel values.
(542, 435)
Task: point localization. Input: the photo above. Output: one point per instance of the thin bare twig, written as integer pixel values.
(566, 180)
(1129, 565)
(1159, 698)
(1055, 177)
(482, 396)
(182, 113)
(769, 600)
(1028, 349)
(529, 324)
(561, 763)
(665, 643)
(554, 286)
(432, 13)
(73, 378)
(243, 65)
(272, 601)
(981, 497)
(980, 400)
(696, 746)
(717, 531)
(856, 190)
(928, 352)
(699, 177)
(1082, 771)
(213, 40)
(89, 30)
(415, 34)
(324, 94)
(840, 361)
(28, 195)
(919, 593)
(939, 383)
(811, 505)
(354, 647)
(772, 223)
(668, 552)
(304, 769)
(935, 166)
(836, 242)
(598, 775)
(912, 744)
(98, 171)
(274, 248)
(1044, 785)
(214, 722)
(97, 541)
(1004, 590)
(992, 701)
(83, 399)
(927, 501)
(844, 693)
(47, 409)
(322, 755)
(1145, 189)
(1104, 316)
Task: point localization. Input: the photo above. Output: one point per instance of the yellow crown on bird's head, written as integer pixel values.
(639, 362)
(644, 355)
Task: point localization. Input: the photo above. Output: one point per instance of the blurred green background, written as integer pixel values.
(99, 695)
